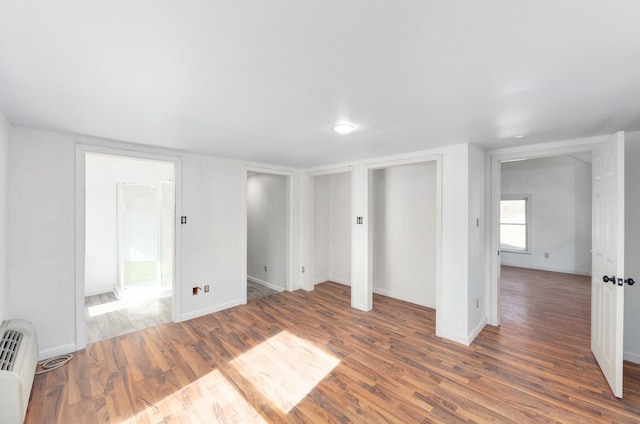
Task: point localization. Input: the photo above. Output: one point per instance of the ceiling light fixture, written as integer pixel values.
(519, 136)
(343, 128)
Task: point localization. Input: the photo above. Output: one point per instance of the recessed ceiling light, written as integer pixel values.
(343, 128)
(519, 136)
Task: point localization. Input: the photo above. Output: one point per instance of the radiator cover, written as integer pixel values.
(18, 361)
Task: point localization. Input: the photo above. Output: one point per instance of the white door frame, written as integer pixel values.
(371, 166)
(81, 151)
(494, 167)
(311, 265)
(288, 266)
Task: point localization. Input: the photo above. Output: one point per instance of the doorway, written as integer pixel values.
(330, 228)
(608, 148)
(545, 219)
(268, 233)
(403, 209)
(502, 158)
(129, 244)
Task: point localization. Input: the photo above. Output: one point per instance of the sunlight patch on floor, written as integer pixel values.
(285, 368)
(210, 399)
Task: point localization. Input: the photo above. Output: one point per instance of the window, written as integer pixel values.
(515, 225)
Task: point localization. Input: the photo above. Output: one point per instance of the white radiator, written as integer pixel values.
(18, 361)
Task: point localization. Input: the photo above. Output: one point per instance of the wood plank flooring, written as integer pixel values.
(307, 357)
(255, 290)
(108, 317)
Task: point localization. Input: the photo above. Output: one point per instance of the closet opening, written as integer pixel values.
(331, 228)
(404, 230)
(268, 233)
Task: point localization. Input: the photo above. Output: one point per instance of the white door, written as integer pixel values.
(607, 281)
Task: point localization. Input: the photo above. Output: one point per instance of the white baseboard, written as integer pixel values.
(340, 281)
(100, 291)
(211, 309)
(333, 280)
(405, 298)
(265, 283)
(56, 351)
(478, 328)
(632, 357)
(550, 269)
(454, 338)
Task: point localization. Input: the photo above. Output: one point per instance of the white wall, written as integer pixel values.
(5, 135)
(321, 206)
(561, 212)
(213, 243)
(266, 229)
(632, 247)
(101, 263)
(404, 232)
(340, 228)
(214, 239)
(42, 232)
(476, 220)
(332, 228)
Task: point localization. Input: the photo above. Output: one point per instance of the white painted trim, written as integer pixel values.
(265, 283)
(319, 172)
(56, 351)
(211, 309)
(339, 281)
(289, 236)
(394, 295)
(99, 292)
(555, 148)
(330, 171)
(474, 333)
(268, 170)
(407, 160)
(404, 160)
(80, 227)
(454, 338)
(495, 159)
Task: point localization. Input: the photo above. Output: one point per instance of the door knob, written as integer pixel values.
(606, 279)
(629, 281)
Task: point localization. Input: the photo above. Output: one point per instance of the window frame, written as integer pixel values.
(528, 223)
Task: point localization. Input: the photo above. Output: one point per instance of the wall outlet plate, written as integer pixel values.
(206, 288)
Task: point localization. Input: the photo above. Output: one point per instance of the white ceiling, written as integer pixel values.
(266, 80)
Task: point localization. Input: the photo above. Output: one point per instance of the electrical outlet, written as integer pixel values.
(477, 303)
(303, 270)
(265, 268)
(206, 288)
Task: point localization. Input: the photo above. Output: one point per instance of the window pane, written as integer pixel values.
(513, 211)
(513, 236)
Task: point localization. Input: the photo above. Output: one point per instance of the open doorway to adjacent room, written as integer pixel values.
(129, 244)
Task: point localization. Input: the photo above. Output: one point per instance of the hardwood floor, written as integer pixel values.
(255, 290)
(108, 317)
(308, 357)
